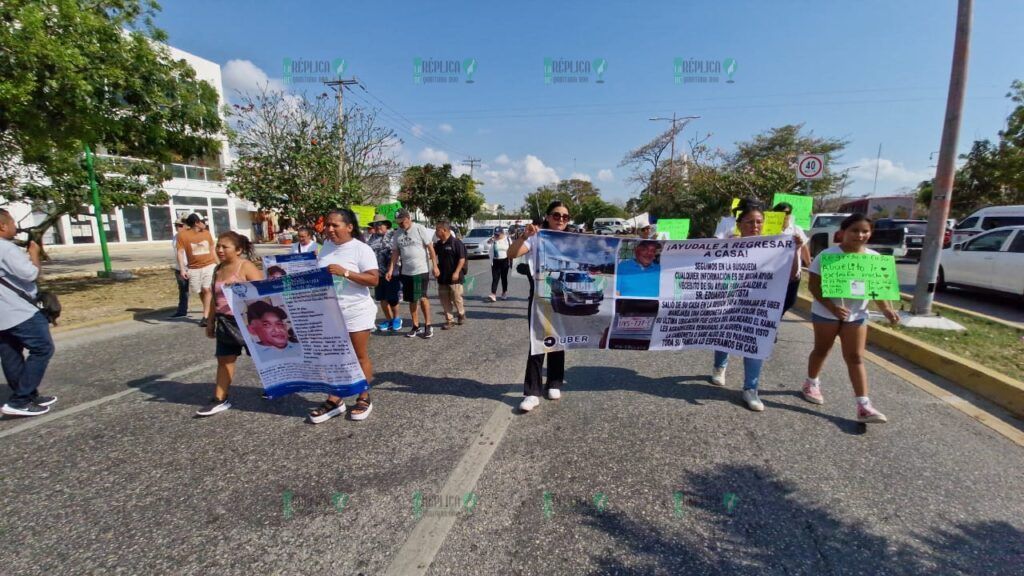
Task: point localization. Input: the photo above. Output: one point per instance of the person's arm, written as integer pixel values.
(211, 310)
(890, 314)
(517, 249)
(433, 258)
(182, 264)
(462, 260)
(251, 272)
(368, 278)
(795, 269)
(391, 266)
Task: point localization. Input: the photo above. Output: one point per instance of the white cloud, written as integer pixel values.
(446, 128)
(244, 76)
(579, 176)
(605, 175)
(502, 160)
(430, 156)
(522, 175)
(888, 171)
(417, 130)
(536, 173)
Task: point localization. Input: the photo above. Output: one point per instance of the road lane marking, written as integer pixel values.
(52, 416)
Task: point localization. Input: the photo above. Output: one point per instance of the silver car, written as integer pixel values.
(478, 242)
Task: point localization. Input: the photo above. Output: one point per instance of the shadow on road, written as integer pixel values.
(244, 398)
(419, 384)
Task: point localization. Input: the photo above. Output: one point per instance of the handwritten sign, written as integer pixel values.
(364, 214)
(774, 222)
(675, 228)
(859, 277)
(802, 207)
(388, 211)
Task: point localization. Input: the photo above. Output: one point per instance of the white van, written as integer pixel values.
(987, 219)
(611, 222)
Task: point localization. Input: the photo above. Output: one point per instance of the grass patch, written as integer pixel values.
(98, 298)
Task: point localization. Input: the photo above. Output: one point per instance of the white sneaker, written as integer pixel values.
(753, 402)
(492, 298)
(529, 403)
(554, 393)
(718, 376)
(214, 406)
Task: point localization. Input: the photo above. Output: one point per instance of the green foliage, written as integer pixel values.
(573, 192)
(594, 207)
(439, 194)
(78, 73)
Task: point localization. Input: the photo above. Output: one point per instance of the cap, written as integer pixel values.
(402, 214)
(499, 230)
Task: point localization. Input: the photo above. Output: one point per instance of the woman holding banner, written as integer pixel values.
(803, 253)
(556, 218)
(750, 221)
(346, 256)
(846, 319)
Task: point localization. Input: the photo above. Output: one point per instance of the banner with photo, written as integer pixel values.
(279, 265)
(296, 335)
(601, 292)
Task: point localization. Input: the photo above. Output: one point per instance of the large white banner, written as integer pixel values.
(632, 294)
(296, 335)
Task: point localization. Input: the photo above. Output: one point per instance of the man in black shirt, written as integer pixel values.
(451, 263)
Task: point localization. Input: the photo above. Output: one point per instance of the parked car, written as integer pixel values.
(478, 242)
(993, 260)
(901, 238)
(824, 231)
(575, 290)
(614, 223)
(987, 219)
(609, 229)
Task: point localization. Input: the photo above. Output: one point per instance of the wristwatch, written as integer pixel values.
(346, 273)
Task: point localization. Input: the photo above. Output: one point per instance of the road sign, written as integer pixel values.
(810, 167)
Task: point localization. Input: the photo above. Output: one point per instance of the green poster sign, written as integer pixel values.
(388, 211)
(802, 207)
(859, 277)
(675, 228)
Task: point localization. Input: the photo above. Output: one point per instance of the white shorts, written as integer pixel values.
(199, 278)
(360, 316)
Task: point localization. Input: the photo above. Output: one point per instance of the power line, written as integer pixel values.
(437, 141)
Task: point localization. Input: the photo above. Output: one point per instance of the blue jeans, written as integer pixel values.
(751, 369)
(182, 294)
(24, 374)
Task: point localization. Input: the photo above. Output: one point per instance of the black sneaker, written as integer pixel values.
(412, 332)
(179, 315)
(428, 332)
(214, 406)
(202, 323)
(44, 400)
(26, 410)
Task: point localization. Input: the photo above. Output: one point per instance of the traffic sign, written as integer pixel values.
(810, 167)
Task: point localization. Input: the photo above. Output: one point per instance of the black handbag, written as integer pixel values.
(227, 330)
(46, 302)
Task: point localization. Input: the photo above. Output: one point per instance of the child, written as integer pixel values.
(846, 319)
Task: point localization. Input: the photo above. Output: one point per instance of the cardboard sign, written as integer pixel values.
(802, 207)
(364, 214)
(859, 277)
(774, 222)
(675, 228)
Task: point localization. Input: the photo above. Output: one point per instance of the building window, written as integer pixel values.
(221, 220)
(191, 200)
(219, 201)
(110, 226)
(134, 224)
(81, 226)
(160, 222)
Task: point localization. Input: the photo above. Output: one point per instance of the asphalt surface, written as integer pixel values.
(1003, 306)
(641, 468)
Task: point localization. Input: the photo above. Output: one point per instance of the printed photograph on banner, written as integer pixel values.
(575, 290)
(279, 265)
(272, 332)
(638, 271)
(632, 325)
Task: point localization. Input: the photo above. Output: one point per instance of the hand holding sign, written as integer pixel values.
(859, 277)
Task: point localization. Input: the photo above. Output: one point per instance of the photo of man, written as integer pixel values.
(639, 276)
(269, 327)
(275, 272)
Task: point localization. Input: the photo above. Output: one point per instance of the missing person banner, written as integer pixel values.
(294, 330)
(602, 292)
(280, 265)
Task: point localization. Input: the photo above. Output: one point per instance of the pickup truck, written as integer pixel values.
(901, 238)
(823, 231)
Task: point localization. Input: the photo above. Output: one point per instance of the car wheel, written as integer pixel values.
(941, 284)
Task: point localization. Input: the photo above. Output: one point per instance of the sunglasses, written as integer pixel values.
(559, 216)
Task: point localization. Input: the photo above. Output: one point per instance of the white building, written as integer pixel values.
(192, 189)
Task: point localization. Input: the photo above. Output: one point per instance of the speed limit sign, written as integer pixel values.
(810, 167)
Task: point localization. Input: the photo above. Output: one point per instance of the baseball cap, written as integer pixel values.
(402, 214)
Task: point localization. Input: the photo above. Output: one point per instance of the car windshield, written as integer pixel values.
(480, 233)
(577, 277)
(918, 229)
(828, 221)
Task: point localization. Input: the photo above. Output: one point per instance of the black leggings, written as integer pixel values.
(499, 270)
(556, 364)
(791, 290)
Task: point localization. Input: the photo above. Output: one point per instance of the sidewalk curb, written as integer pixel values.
(998, 388)
(965, 312)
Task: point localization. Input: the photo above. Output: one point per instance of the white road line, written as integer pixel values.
(426, 538)
(47, 418)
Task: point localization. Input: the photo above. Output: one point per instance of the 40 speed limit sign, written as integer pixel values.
(810, 167)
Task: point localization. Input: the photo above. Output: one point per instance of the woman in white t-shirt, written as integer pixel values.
(500, 263)
(354, 263)
(803, 253)
(847, 319)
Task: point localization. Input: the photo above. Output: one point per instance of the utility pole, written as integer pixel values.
(472, 163)
(339, 87)
(928, 268)
(674, 120)
(878, 159)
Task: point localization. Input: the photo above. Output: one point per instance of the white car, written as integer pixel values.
(993, 261)
(478, 242)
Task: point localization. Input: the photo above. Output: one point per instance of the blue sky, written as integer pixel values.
(868, 71)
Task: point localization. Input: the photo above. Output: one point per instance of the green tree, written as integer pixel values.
(595, 207)
(94, 73)
(439, 194)
(574, 192)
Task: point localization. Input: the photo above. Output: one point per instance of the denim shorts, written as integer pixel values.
(818, 319)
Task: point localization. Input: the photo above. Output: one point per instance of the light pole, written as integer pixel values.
(674, 120)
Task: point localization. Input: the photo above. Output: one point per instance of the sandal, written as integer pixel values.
(363, 404)
(326, 411)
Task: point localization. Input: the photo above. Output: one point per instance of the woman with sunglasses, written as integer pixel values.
(803, 253)
(556, 218)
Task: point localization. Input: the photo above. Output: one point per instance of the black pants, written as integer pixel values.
(499, 270)
(556, 364)
(182, 293)
(791, 290)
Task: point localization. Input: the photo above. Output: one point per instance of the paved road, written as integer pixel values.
(89, 259)
(1004, 307)
(641, 468)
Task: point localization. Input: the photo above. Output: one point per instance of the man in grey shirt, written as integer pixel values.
(413, 243)
(22, 325)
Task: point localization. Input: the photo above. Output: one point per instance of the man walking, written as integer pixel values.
(412, 243)
(22, 325)
(451, 265)
(197, 259)
(386, 291)
(182, 310)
